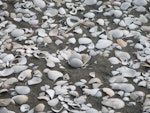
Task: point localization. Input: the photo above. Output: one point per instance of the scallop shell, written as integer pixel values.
(22, 90)
(20, 99)
(115, 103)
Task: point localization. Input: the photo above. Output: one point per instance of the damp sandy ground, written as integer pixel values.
(100, 65)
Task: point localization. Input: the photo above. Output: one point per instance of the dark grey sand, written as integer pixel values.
(102, 69)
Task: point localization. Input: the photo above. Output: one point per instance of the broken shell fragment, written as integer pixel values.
(23, 90)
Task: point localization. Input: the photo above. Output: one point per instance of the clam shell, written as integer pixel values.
(40, 107)
(115, 103)
(22, 90)
(75, 63)
(20, 99)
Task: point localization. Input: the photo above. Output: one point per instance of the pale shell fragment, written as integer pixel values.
(34, 80)
(17, 32)
(40, 107)
(138, 96)
(53, 102)
(121, 42)
(72, 20)
(90, 2)
(115, 103)
(39, 3)
(6, 72)
(25, 74)
(76, 63)
(5, 102)
(20, 99)
(109, 91)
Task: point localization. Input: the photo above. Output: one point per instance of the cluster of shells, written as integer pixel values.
(42, 41)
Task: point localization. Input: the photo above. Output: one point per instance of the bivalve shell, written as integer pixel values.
(23, 90)
(17, 32)
(20, 99)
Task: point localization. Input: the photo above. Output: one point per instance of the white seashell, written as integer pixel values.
(25, 74)
(22, 90)
(115, 103)
(109, 91)
(90, 2)
(74, 93)
(20, 99)
(53, 102)
(78, 30)
(17, 32)
(142, 83)
(60, 90)
(33, 22)
(101, 44)
(114, 60)
(19, 68)
(43, 98)
(4, 110)
(123, 86)
(40, 107)
(51, 12)
(6, 72)
(24, 108)
(117, 79)
(39, 3)
(53, 74)
(84, 40)
(75, 62)
(34, 80)
(138, 96)
(116, 33)
(50, 92)
(117, 13)
(139, 3)
(72, 20)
